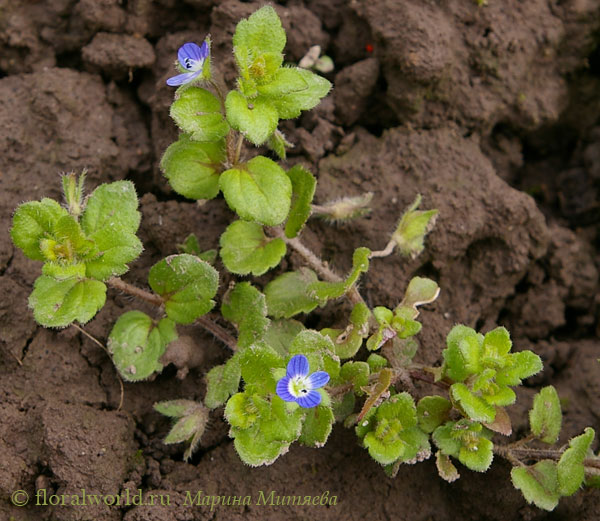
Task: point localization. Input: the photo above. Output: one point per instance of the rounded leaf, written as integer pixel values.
(258, 191)
(187, 285)
(193, 168)
(245, 249)
(255, 118)
(58, 303)
(198, 113)
(136, 345)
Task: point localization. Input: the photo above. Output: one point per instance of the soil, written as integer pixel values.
(492, 113)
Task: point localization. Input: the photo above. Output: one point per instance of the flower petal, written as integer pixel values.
(311, 399)
(180, 79)
(283, 390)
(317, 379)
(190, 55)
(297, 366)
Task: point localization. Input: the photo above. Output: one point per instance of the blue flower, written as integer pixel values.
(191, 57)
(300, 387)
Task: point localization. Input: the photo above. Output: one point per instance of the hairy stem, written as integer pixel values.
(238, 149)
(520, 454)
(130, 289)
(218, 332)
(388, 250)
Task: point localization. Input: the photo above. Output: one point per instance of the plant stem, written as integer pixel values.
(423, 376)
(512, 452)
(318, 265)
(218, 332)
(385, 252)
(208, 324)
(238, 149)
(130, 289)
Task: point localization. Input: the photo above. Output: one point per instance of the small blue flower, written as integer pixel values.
(191, 57)
(300, 387)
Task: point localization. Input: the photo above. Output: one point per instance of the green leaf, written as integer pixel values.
(281, 333)
(348, 342)
(390, 435)
(293, 90)
(109, 205)
(462, 355)
(496, 345)
(184, 429)
(474, 406)
(343, 406)
(570, 469)
(538, 484)
(420, 291)
(261, 32)
(332, 290)
(545, 416)
(175, 408)
(193, 168)
(445, 467)
(414, 225)
(246, 249)
(317, 426)
(68, 232)
(58, 303)
(190, 425)
(257, 363)
(319, 351)
(187, 285)
(198, 113)
(191, 245)
(111, 220)
(432, 411)
(136, 344)
(357, 373)
(278, 144)
(254, 450)
(222, 382)
(282, 422)
(61, 271)
(117, 247)
(246, 308)
(384, 452)
(255, 118)
(258, 191)
(288, 294)
(33, 222)
(479, 457)
(240, 411)
(376, 362)
(446, 440)
(303, 191)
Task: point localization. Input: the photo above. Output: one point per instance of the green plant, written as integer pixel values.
(285, 383)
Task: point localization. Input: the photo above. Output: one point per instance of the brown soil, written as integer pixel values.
(492, 113)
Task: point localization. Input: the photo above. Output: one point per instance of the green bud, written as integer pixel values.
(411, 230)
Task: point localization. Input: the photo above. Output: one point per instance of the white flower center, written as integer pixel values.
(298, 387)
